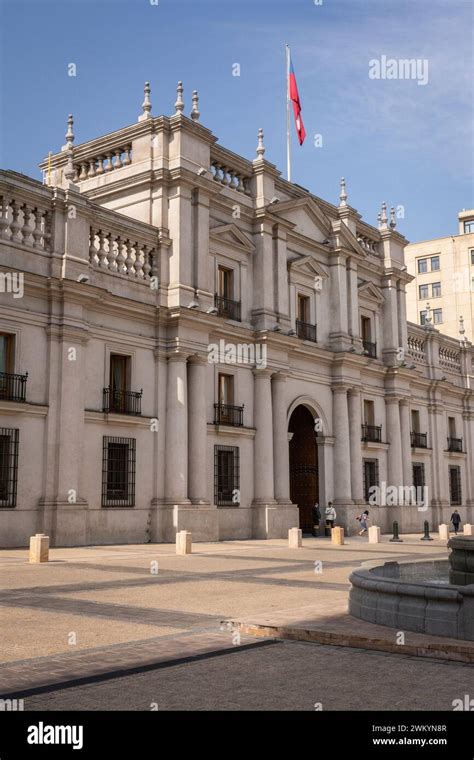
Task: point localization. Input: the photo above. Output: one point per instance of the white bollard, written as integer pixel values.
(39, 548)
(374, 534)
(337, 536)
(295, 538)
(467, 530)
(184, 542)
(443, 532)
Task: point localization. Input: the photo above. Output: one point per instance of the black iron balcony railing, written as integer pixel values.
(372, 433)
(454, 444)
(13, 387)
(419, 440)
(227, 308)
(370, 349)
(305, 330)
(228, 414)
(122, 402)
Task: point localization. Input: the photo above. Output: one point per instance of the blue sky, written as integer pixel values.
(393, 140)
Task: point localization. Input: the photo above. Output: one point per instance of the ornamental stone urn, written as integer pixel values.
(461, 560)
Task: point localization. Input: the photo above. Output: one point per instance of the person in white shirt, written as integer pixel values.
(330, 514)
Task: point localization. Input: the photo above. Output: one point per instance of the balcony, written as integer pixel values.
(305, 330)
(122, 402)
(227, 414)
(370, 349)
(372, 433)
(419, 440)
(227, 308)
(13, 387)
(454, 444)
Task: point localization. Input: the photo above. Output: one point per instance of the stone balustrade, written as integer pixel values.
(368, 244)
(103, 164)
(230, 170)
(121, 255)
(25, 222)
(416, 348)
(449, 359)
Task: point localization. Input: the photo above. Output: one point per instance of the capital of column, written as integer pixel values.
(404, 402)
(340, 389)
(280, 377)
(354, 392)
(198, 360)
(392, 400)
(260, 374)
(178, 356)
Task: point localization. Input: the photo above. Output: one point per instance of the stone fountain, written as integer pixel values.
(434, 597)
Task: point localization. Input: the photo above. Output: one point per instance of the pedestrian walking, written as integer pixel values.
(363, 519)
(330, 514)
(456, 521)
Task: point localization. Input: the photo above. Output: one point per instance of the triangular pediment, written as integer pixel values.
(307, 265)
(371, 292)
(342, 237)
(231, 234)
(306, 217)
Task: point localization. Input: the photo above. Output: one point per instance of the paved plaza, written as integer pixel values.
(111, 625)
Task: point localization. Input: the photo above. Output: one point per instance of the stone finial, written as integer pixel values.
(179, 105)
(260, 145)
(195, 110)
(462, 329)
(393, 222)
(146, 105)
(427, 314)
(343, 194)
(382, 217)
(69, 134)
(69, 170)
(379, 219)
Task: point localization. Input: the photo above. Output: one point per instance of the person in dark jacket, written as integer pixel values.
(316, 519)
(456, 520)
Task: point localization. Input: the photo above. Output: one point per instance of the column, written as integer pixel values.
(342, 450)
(281, 452)
(395, 467)
(263, 444)
(197, 429)
(176, 474)
(355, 432)
(406, 442)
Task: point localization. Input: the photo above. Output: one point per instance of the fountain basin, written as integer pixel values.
(414, 596)
(461, 560)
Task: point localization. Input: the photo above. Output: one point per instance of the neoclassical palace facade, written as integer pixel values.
(189, 341)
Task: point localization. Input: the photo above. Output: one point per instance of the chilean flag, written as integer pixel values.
(295, 99)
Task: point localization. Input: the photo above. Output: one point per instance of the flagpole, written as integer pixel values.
(288, 133)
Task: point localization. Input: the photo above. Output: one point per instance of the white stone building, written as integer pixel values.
(150, 260)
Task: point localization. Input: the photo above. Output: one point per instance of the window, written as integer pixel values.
(226, 389)
(119, 373)
(8, 466)
(423, 315)
(434, 263)
(436, 290)
(303, 308)
(437, 316)
(415, 420)
(455, 485)
(422, 266)
(452, 427)
(431, 264)
(472, 257)
(226, 476)
(369, 414)
(366, 329)
(419, 475)
(469, 226)
(7, 353)
(423, 292)
(370, 475)
(118, 472)
(225, 283)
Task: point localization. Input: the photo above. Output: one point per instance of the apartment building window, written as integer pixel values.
(437, 316)
(423, 292)
(429, 264)
(472, 257)
(118, 472)
(8, 466)
(370, 472)
(436, 290)
(455, 485)
(226, 476)
(418, 475)
(469, 226)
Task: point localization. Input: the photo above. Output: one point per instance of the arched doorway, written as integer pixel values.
(304, 482)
